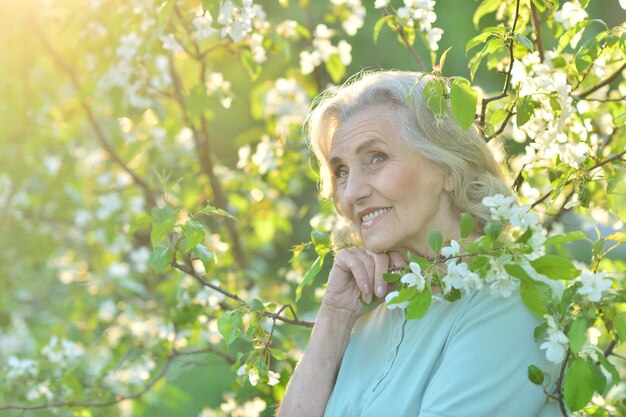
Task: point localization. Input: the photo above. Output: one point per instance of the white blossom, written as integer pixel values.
(217, 85)
(379, 4)
(499, 206)
(415, 277)
(288, 29)
(460, 277)
(568, 15)
(309, 60)
(556, 343)
(39, 391)
(354, 19)
(204, 26)
(391, 304)
(595, 285)
(500, 282)
(129, 44)
(18, 368)
(453, 250)
(170, 43)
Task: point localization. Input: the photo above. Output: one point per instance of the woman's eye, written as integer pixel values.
(341, 172)
(378, 158)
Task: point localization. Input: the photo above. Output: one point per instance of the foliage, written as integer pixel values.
(155, 191)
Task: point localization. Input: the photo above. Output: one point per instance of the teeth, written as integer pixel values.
(373, 214)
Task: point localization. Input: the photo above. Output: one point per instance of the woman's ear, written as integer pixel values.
(448, 183)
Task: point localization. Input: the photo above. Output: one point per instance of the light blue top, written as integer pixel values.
(467, 358)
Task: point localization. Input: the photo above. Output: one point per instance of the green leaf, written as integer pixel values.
(434, 94)
(230, 326)
(482, 37)
(321, 241)
(617, 199)
(213, 211)
(525, 41)
(435, 241)
(617, 314)
(587, 54)
(599, 379)
(206, 257)
(256, 305)
(442, 59)
(336, 69)
(161, 257)
(419, 304)
(577, 334)
(193, 234)
(463, 100)
(565, 39)
(536, 295)
(140, 222)
(535, 375)
(493, 230)
(525, 236)
(278, 354)
(467, 225)
(486, 7)
(310, 275)
(252, 67)
(160, 231)
(610, 368)
(565, 238)
(422, 262)
(518, 272)
(555, 267)
(163, 214)
(390, 278)
(579, 382)
(525, 110)
(379, 25)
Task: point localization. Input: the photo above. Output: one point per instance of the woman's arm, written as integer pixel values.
(314, 377)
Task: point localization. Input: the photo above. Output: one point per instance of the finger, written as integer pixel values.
(381, 266)
(397, 259)
(363, 272)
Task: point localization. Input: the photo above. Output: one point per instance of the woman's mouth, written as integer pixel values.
(372, 217)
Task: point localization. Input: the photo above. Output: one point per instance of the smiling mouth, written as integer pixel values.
(370, 218)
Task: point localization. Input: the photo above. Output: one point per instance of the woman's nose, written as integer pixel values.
(357, 187)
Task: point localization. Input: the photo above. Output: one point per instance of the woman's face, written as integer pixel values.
(393, 195)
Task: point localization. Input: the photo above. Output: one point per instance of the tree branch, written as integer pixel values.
(95, 125)
(507, 81)
(601, 84)
(206, 163)
(201, 278)
(121, 397)
(400, 31)
(536, 24)
(588, 170)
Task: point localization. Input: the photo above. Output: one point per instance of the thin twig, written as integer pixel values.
(100, 135)
(201, 278)
(601, 84)
(507, 81)
(119, 397)
(400, 31)
(597, 165)
(536, 24)
(559, 385)
(206, 163)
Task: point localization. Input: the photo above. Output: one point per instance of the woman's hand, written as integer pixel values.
(358, 273)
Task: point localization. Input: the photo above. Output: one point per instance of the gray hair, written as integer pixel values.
(463, 155)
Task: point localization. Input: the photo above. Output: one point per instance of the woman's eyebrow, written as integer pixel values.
(368, 143)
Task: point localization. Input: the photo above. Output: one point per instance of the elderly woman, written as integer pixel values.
(396, 173)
